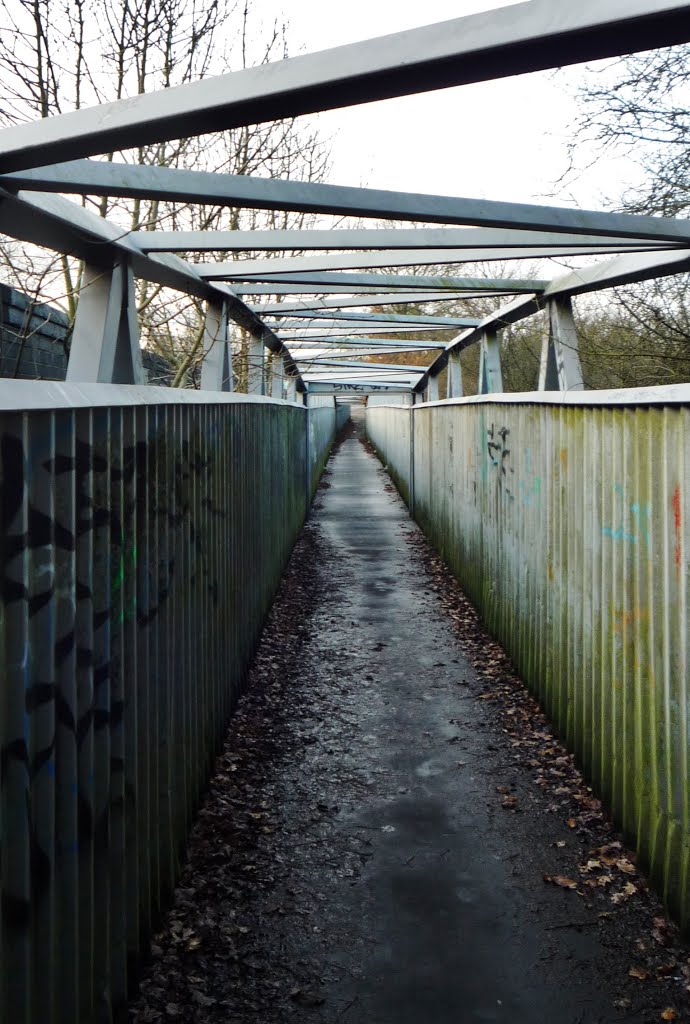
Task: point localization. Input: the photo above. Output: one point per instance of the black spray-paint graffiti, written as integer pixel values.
(499, 456)
(70, 526)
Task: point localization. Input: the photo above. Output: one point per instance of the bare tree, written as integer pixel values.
(640, 104)
(58, 55)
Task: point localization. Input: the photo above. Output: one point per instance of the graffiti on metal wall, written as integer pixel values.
(70, 525)
(499, 456)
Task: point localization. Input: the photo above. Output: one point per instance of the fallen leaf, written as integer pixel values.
(669, 1014)
(660, 932)
(510, 803)
(639, 973)
(571, 823)
(561, 880)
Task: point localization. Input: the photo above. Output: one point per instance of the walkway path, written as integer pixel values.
(384, 882)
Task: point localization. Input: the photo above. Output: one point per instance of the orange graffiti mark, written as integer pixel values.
(564, 457)
(677, 522)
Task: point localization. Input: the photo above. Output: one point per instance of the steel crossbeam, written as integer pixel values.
(131, 181)
(479, 47)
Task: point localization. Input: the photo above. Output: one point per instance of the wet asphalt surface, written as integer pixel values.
(353, 861)
(437, 927)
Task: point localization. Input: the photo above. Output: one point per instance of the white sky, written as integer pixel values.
(497, 140)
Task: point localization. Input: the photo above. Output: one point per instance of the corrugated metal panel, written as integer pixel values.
(322, 428)
(388, 429)
(141, 549)
(567, 525)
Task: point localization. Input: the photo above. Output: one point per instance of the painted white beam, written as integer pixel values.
(272, 269)
(327, 331)
(306, 355)
(353, 365)
(344, 340)
(97, 178)
(360, 388)
(352, 301)
(325, 318)
(326, 282)
(479, 47)
(371, 238)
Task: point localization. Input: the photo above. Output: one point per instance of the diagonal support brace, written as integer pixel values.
(105, 340)
(560, 368)
(216, 369)
(490, 375)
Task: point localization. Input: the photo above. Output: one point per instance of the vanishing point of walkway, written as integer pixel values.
(358, 858)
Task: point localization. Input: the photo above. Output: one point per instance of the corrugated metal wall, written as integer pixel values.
(142, 545)
(389, 430)
(567, 525)
(325, 420)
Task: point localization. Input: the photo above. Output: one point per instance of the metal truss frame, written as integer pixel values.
(336, 282)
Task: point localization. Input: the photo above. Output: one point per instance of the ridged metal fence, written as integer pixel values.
(144, 532)
(566, 521)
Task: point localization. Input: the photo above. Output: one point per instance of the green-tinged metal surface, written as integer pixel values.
(389, 431)
(326, 418)
(142, 545)
(567, 525)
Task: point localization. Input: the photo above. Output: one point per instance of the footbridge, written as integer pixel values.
(146, 528)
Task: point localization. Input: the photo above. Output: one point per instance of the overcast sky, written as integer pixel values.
(497, 140)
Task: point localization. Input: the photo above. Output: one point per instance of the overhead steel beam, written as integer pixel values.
(274, 269)
(323, 318)
(374, 351)
(130, 181)
(479, 47)
(351, 330)
(360, 365)
(59, 224)
(327, 282)
(372, 238)
(351, 301)
(344, 388)
(388, 344)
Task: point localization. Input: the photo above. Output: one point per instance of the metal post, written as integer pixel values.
(216, 369)
(560, 368)
(291, 395)
(411, 502)
(277, 375)
(454, 376)
(105, 341)
(255, 366)
(490, 376)
(433, 389)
